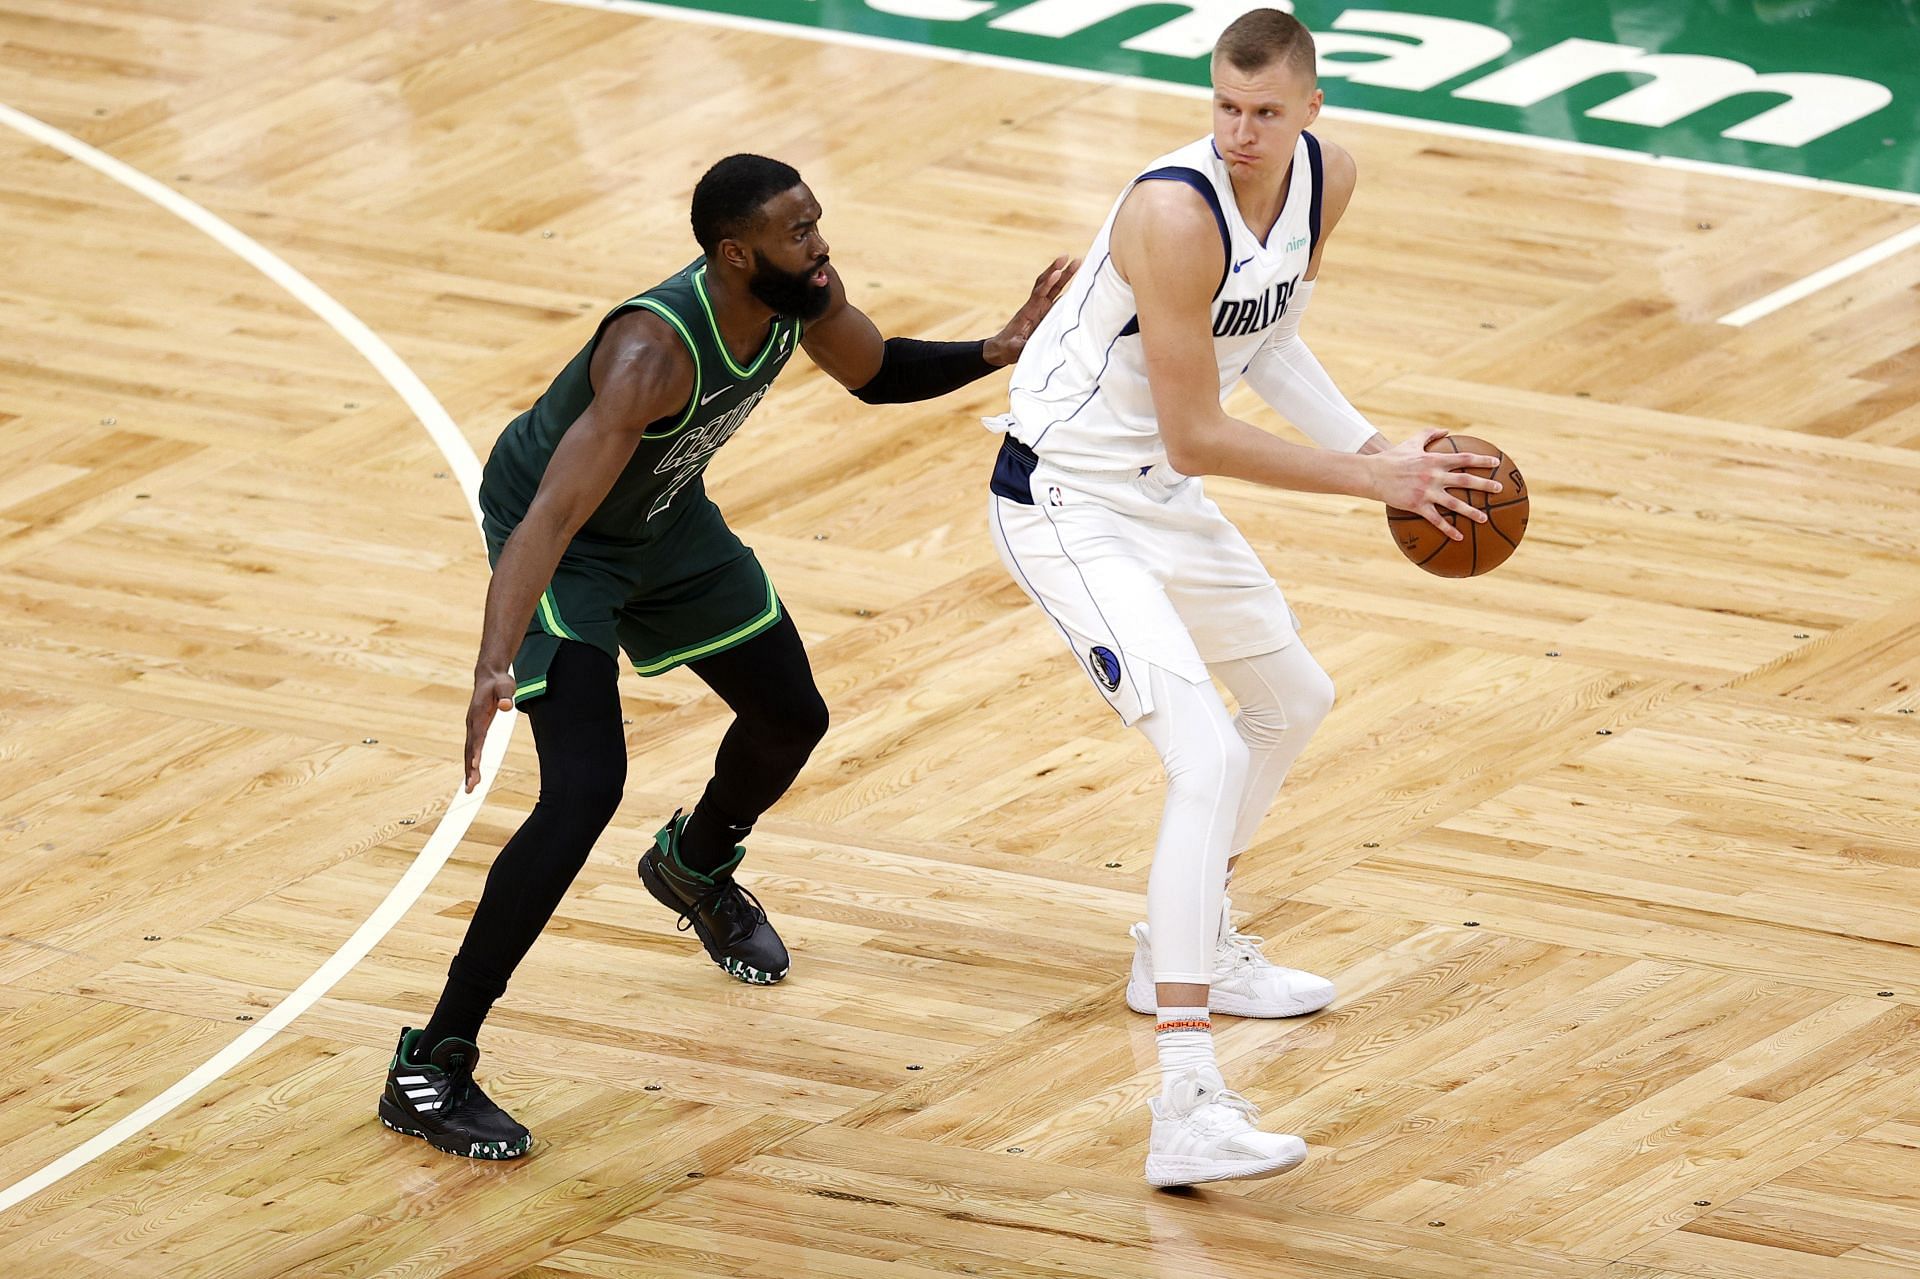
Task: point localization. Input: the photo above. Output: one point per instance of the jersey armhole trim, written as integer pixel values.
(1198, 181)
(1317, 172)
(693, 352)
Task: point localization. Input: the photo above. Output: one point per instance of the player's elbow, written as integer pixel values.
(1190, 448)
(1187, 459)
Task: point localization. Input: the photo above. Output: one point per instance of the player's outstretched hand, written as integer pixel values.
(1411, 479)
(1005, 346)
(492, 693)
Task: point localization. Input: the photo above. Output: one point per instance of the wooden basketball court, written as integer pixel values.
(1613, 853)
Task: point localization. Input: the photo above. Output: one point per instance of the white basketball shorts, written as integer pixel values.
(1133, 569)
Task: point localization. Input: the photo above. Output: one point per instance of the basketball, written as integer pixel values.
(1486, 546)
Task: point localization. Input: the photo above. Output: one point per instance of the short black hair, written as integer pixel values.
(728, 198)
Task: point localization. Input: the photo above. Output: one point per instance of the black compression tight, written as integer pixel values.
(778, 719)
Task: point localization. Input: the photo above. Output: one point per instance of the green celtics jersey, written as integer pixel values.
(663, 479)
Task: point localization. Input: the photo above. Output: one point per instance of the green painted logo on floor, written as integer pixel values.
(1822, 88)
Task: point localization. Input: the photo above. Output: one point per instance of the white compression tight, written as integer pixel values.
(1222, 774)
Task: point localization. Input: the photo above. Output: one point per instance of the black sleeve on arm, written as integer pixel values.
(914, 370)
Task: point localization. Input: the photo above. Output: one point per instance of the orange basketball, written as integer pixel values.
(1486, 546)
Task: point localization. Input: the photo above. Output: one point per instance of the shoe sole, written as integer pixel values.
(1230, 1005)
(743, 972)
(395, 1118)
(1164, 1171)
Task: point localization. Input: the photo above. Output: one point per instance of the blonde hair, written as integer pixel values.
(1260, 37)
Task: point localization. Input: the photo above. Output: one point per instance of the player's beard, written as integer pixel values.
(791, 294)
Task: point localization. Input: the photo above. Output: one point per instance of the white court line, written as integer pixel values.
(1414, 124)
(460, 812)
(1896, 243)
(466, 467)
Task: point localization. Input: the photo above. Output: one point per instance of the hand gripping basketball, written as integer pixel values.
(1470, 534)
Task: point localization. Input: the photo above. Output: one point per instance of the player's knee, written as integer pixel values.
(1216, 765)
(1311, 700)
(1235, 761)
(796, 726)
(600, 797)
(810, 720)
(589, 787)
(1262, 725)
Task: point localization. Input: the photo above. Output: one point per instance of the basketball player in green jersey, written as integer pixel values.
(603, 540)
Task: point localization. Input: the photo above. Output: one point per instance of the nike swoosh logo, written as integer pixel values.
(1242, 262)
(716, 395)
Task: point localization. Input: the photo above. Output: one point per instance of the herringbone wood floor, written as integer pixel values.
(1613, 853)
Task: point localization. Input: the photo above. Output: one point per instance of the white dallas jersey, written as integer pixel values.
(1080, 394)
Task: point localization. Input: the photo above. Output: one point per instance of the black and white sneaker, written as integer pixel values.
(728, 920)
(437, 1101)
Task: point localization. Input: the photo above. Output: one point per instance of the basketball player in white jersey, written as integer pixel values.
(1197, 281)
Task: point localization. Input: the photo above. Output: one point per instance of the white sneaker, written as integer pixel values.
(1203, 1131)
(1245, 982)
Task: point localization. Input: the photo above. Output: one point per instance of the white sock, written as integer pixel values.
(1183, 1038)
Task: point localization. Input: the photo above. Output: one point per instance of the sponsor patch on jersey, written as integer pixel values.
(1105, 667)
